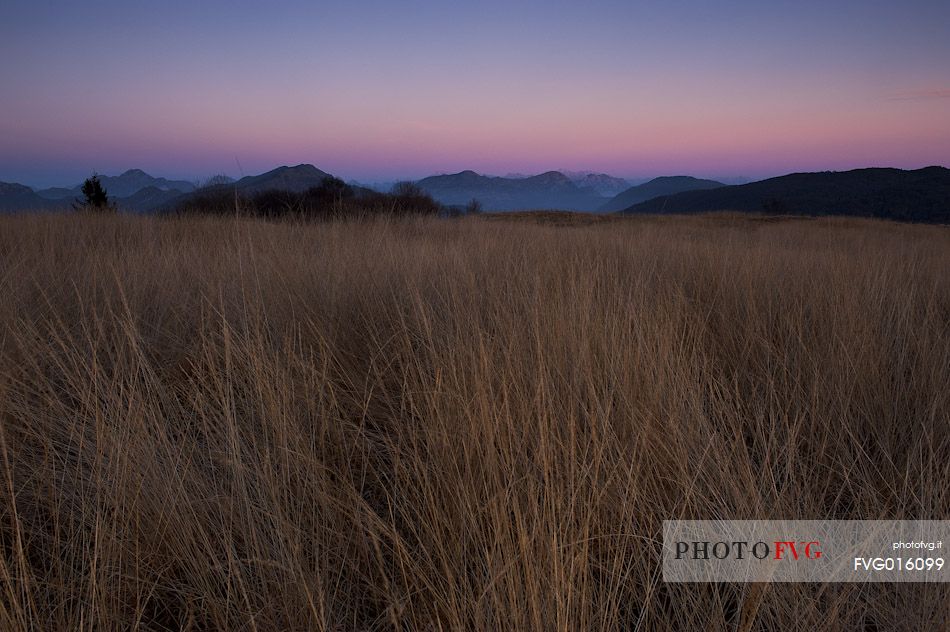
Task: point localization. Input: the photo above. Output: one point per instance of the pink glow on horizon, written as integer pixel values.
(631, 89)
(753, 141)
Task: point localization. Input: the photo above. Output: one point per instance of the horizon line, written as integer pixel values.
(379, 179)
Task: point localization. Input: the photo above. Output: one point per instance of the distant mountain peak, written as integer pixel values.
(296, 179)
(14, 187)
(302, 170)
(673, 179)
(462, 178)
(664, 185)
(19, 197)
(126, 184)
(552, 175)
(548, 190)
(303, 167)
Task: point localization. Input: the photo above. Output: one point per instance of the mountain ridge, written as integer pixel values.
(156, 193)
(296, 179)
(126, 184)
(664, 185)
(921, 195)
(16, 197)
(908, 195)
(603, 184)
(551, 189)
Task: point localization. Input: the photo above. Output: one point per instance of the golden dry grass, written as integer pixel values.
(219, 424)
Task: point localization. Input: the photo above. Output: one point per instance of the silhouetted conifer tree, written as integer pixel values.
(97, 199)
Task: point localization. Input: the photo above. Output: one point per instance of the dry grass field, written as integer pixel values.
(475, 424)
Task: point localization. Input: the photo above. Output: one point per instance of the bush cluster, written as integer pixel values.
(332, 199)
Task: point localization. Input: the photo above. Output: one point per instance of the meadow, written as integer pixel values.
(216, 423)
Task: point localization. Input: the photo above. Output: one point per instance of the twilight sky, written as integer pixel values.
(387, 90)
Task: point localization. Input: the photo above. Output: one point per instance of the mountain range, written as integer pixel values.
(137, 191)
(133, 190)
(921, 195)
(548, 190)
(574, 191)
(603, 184)
(121, 186)
(917, 195)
